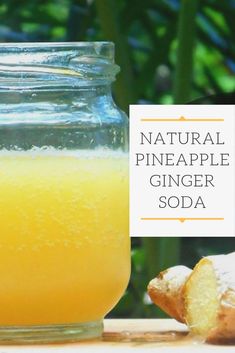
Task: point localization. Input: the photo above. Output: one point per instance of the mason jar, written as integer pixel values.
(64, 242)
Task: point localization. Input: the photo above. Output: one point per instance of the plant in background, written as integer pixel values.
(169, 51)
(145, 34)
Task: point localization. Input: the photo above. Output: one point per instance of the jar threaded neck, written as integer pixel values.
(57, 64)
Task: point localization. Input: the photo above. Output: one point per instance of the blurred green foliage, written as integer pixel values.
(169, 51)
(145, 34)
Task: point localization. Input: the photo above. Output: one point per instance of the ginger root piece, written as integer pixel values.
(204, 299)
(166, 291)
(209, 298)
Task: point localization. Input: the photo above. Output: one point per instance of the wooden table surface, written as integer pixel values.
(135, 335)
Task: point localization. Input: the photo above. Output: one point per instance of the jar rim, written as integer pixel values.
(57, 44)
(103, 49)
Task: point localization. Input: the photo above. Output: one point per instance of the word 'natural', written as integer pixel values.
(182, 138)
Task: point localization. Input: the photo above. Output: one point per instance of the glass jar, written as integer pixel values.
(64, 242)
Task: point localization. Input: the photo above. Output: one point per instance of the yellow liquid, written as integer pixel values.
(64, 244)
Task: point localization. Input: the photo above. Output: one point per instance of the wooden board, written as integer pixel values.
(136, 335)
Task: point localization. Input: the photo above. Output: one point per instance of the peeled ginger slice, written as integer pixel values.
(202, 299)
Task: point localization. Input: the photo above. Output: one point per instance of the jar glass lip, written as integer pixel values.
(103, 49)
(56, 44)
